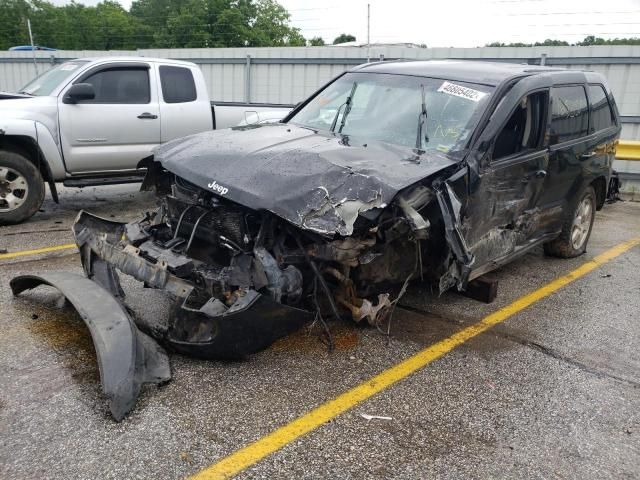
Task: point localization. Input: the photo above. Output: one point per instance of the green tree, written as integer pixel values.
(551, 43)
(13, 23)
(149, 23)
(316, 42)
(184, 27)
(217, 23)
(114, 26)
(271, 28)
(344, 38)
(592, 40)
(588, 40)
(45, 20)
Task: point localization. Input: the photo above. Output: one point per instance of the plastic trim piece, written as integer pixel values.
(127, 358)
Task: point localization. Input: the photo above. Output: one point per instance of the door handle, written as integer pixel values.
(147, 116)
(588, 155)
(537, 174)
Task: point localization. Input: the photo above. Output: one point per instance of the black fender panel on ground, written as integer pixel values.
(127, 358)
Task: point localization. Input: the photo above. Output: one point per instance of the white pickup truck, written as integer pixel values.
(90, 121)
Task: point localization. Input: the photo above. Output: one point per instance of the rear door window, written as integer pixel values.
(120, 85)
(569, 113)
(177, 84)
(601, 113)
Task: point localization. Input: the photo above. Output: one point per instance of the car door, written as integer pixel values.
(184, 105)
(603, 129)
(569, 144)
(116, 129)
(502, 213)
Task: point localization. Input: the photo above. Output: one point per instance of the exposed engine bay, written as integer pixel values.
(243, 278)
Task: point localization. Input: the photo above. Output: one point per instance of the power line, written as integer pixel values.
(583, 33)
(579, 24)
(566, 13)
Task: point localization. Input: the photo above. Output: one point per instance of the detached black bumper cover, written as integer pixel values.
(127, 358)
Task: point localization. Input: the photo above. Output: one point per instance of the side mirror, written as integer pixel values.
(79, 91)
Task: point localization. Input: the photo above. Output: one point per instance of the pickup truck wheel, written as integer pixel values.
(21, 188)
(576, 228)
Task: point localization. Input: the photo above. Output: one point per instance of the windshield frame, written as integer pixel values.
(62, 81)
(477, 116)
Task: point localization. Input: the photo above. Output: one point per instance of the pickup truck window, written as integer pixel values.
(47, 82)
(120, 85)
(388, 108)
(569, 113)
(601, 114)
(177, 84)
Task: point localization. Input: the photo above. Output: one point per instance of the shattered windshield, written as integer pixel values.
(47, 82)
(393, 108)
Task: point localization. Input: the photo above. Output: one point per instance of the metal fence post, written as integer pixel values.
(247, 80)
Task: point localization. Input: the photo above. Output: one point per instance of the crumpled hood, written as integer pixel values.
(316, 181)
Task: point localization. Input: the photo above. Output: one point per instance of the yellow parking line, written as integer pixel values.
(245, 457)
(22, 253)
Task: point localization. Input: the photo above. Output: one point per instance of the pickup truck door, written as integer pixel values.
(184, 104)
(116, 129)
(502, 214)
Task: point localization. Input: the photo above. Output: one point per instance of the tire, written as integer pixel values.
(576, 228)
(21, 188)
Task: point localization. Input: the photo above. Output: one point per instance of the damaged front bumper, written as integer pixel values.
(202, 327)
(127, 356)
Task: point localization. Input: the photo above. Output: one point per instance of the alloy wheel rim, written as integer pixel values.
(13, 189)
(581, 223)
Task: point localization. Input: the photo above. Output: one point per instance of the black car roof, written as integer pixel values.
(487, 73)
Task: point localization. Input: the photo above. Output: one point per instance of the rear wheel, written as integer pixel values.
(576, 228)
(21, 188)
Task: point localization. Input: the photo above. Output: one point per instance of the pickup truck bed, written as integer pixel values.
(228, 114)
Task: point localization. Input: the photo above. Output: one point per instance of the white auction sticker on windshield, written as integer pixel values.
(462, 92)
(71, 66)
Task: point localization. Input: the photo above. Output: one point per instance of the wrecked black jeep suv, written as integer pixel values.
(397, 171)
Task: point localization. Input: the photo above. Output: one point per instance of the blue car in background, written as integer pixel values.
(29, 48)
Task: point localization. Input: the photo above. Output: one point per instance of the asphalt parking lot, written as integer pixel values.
(551, 392)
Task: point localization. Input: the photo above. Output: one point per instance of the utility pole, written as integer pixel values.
(33, 50)
(368, 30)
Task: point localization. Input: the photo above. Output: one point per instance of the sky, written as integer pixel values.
(461, 23)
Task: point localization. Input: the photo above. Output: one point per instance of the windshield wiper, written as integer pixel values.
(23, 92)
(422, 121)
(347, 109)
